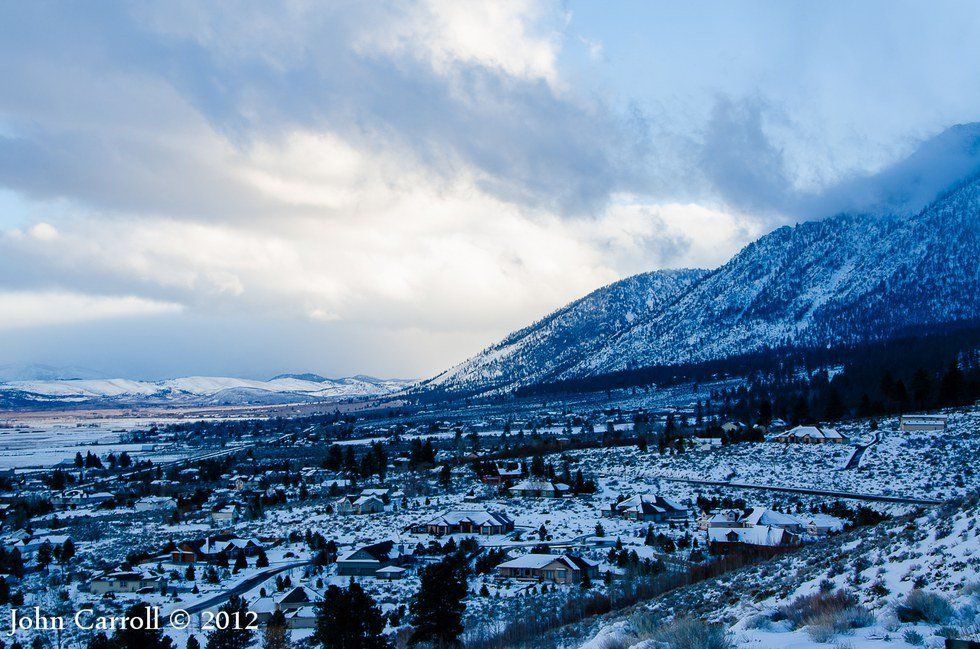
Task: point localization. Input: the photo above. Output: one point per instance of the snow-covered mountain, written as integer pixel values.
(844, 279)
(210, 390)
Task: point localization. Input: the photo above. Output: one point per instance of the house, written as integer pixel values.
(539, 489)
(226, 514)
(470, 522)
(822, 524)
(723, 518)
(809, 435)
(556, 568)
(390, 573)
(126, 581)
(923, 423)
(151, 503)
(503, 472)
(365, 503)
(29, 546)
(764, 517)
(369, 559)
(74, 498)
(647, 509)
(368, 505)
(209, 549)
(298, 600)
(761, 538)
(706, 443)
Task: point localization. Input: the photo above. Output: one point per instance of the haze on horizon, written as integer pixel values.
(250, 189)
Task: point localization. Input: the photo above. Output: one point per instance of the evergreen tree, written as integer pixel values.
(235, 636)
(44, 555)
(349, 619)
(131, 638)
(193, 643)
(67, 552)
(438, 606)
(921, 388)
(276, 634)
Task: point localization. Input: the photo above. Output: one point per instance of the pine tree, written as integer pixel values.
(276, 634)
(44, 555)
(438, 606)
(67, 552)
(236, 635)
(132, 638)
(349, 619)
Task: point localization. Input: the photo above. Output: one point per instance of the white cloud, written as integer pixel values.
(43, 231)
(37, 309)
(506, 35)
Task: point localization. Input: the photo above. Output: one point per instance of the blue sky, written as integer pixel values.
(386, 188)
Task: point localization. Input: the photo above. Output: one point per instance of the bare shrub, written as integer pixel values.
(922, 606)
(805, 608)
(913, 637)
(690, 633)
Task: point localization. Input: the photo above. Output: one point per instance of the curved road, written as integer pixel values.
(858, 453)
(241, 588)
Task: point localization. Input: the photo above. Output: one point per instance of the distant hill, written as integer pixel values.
(205, 390)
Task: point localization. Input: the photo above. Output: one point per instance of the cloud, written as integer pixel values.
(23, 309)
(435, 173)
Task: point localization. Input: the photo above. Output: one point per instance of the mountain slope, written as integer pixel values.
(560, 340)
(845, 279)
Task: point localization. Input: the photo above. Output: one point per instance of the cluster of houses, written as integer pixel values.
(643, 508)
(762, 530)
(213, 549)
(368, 501)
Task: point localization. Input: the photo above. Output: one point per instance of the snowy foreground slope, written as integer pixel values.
(200, 389)
(845, 279)
(870, 588)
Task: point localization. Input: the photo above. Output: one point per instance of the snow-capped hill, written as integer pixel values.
(845, 279)
(560, 340)
(200, 389)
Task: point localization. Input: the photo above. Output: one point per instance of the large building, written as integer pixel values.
(923, 423)
(470, 522)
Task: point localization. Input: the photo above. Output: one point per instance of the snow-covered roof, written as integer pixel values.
(764, 516)
(811, 432)
(537, 561)
(476, 517)
(760, 535)
(534, 485)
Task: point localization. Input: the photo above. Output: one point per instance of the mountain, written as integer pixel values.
(845, 279)
(306, 376)
(202, 390)
(558, 342)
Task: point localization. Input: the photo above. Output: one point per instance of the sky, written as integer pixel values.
(248, 188)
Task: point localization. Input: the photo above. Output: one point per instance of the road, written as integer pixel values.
(850, 495)
(242, 587)
(858, 453)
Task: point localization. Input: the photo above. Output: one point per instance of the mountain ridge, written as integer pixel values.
(848, 278)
